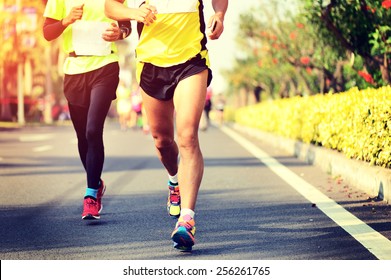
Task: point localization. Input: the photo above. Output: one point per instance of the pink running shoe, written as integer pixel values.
(101, 192)
(90, 209)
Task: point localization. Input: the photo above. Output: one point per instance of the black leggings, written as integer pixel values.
(88, 123)
(89, 97)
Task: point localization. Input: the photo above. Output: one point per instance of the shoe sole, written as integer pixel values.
(182, 240)
(182, 248)
(90, 217)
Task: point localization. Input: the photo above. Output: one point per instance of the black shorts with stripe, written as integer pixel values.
(161, 82)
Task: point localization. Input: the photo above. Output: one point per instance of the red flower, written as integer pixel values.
(276, 46)
(367, 77)
(386, 4)
(373, 10)
(293, 35)
(300, 25)
(264, 34)
(305, 60)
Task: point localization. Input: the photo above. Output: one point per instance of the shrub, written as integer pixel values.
(356, 123)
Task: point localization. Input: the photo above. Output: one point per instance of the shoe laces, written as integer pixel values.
(186, 222)
(90, 202)
(174, 194)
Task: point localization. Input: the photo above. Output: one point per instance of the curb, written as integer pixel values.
(8, 125)
(4, 126)
(374, 180)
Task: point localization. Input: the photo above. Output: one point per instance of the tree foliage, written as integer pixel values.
(326, 46)
(21, 32)
(23, 46)
(359, 27)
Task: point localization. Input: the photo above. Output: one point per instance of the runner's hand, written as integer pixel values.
(215, 27)
(112, 33)
(145, 14)
(75, 14)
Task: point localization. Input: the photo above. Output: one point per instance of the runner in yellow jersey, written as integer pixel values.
(173, 73)
(91, 79)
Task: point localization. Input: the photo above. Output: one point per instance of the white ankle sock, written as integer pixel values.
(186, 211)
(173, 179)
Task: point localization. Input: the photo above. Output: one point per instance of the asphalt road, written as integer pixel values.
(250, 206)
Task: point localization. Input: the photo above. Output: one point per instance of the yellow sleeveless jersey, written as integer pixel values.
(93, 12)
(177, 35)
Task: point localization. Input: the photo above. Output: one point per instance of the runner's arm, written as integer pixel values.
(115, 9)
(216, 22)
(52, 29)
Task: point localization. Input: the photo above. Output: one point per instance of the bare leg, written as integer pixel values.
(189, 100)
(160, 115)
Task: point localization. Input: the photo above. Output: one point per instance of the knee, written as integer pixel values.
(188, 139)
(162, 141)
(94, 134)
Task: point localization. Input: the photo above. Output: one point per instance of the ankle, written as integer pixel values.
(187, 211)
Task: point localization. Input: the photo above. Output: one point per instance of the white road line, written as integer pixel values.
(35, 137)
(372, 240)
(42, 148)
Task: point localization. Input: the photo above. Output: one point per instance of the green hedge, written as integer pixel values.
(356, 123)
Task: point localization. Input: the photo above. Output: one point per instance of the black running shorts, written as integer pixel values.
(78, 87)
(161, 82)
